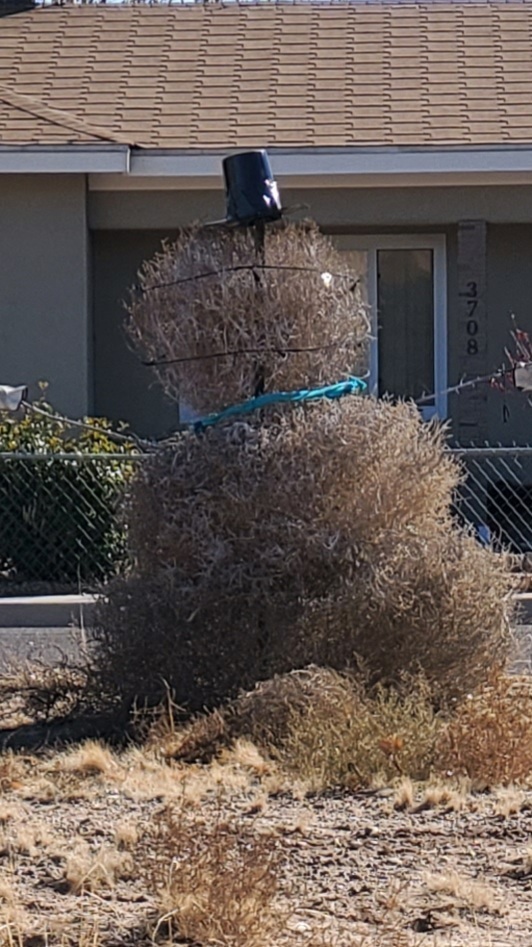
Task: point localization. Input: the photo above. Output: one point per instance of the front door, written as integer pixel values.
(403, 283)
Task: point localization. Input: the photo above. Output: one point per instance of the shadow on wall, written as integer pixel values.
(123, 388)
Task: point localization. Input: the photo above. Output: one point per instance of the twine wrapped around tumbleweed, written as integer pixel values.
(288, 314)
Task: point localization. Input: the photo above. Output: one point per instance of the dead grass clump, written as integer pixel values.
(13, 770)
(303, 537)
(191, 303)
(126, 835)
(265, 714)
(443, 795)
(215, 881)
(361, 737)
(92, 871)
(466, 893)
(489, 737)
(260, 718)
(509, 801)
(322, 727)
(404, 795)
(197, 741)
(245, 755)
(89, 759)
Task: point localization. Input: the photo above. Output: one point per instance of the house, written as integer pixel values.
(405, 128)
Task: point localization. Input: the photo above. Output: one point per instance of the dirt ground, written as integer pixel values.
(398, 866)
(393, 867)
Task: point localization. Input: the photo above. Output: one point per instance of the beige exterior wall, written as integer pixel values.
(509, 291)
(123, 388)
(44, 293)
(342, 208)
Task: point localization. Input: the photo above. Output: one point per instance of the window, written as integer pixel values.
(403, 282)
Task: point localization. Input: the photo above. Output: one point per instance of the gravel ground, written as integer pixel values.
(357, 871)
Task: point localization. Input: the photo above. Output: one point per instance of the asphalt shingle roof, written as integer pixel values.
(302, 75)
(27, 119)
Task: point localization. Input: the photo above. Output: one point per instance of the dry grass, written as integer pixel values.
(12, 771)
(18, 929)
(404, 795)
(215, 881)
(468, 893)
(89, 870)
(90, 759)
(35, 691)
(262, 312)
(360, 738)
(321, 727)
(489, 736)
(509, 801)
(448, 797)
(325, 729)
(205, 854)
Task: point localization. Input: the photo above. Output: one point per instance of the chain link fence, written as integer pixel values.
(496, 496)
(62, 523)
(61, 518)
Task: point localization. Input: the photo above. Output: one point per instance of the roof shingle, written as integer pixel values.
(200, 76)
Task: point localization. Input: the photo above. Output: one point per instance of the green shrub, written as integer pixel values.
(59, 517)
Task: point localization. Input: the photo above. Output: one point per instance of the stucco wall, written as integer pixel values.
(509, 291)
(123, 388)
(44, 330)
(338, 207)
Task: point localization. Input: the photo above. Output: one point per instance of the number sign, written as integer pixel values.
(471, 337)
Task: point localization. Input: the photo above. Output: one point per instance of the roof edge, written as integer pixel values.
(332, 167)
(97, 158)
(310, 162)
(117, 165)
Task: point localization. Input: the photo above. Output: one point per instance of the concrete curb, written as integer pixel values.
(46, 611)
(61, 611)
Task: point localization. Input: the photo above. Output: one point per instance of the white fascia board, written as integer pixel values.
(64, 159)
(367, 167)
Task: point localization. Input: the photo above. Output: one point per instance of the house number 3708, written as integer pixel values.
(471, 304)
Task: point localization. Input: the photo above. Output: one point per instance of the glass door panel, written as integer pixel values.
(405, 319)
(404, 287)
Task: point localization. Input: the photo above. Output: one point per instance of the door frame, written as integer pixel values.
(371, 243)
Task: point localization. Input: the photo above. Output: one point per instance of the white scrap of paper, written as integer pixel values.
(11, 398)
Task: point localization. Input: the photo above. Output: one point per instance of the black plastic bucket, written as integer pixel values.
(251, 192)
